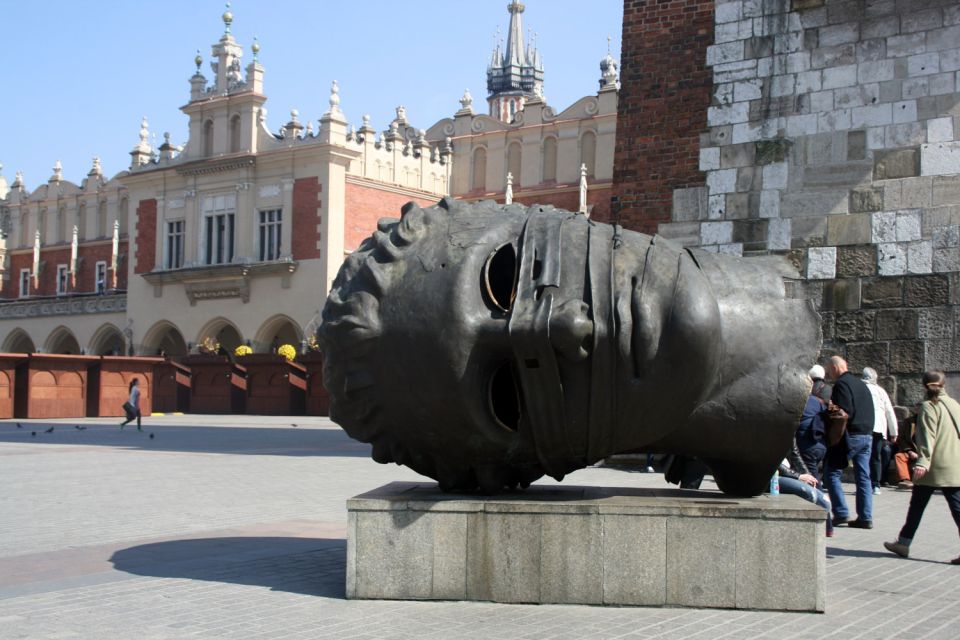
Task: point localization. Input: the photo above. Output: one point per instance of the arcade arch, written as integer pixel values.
(223, 332)
(106, 341)
(62, 340)
(165, 338)
(278, 330)
(18, 341)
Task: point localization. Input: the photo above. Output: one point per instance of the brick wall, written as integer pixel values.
(146, 258)
(664, 95)
(87, 257)
(306, 218)
(366, 205)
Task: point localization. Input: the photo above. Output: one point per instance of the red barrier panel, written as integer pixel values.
(55, 386)
(8, 381)
(171, 387)
(275, 387)
(116, 372)
(217, 385)
(318, 400)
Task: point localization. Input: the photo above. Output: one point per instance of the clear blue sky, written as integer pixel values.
(78, 76)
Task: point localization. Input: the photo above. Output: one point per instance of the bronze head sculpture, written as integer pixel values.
(485, 346)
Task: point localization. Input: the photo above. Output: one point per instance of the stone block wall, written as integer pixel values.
(833, 138)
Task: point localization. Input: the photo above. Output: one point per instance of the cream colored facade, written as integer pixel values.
(236, 235)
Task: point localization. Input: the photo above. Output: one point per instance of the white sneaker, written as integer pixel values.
(876, 491)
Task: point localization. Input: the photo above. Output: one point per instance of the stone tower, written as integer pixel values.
(515, 74)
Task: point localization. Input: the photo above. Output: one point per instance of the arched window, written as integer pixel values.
(208, 138)
(513, 161)
(513, 110)
(588, 153)
(235, 134)
(102, 219)
(124, 215)
(550, 159)
(479, 182)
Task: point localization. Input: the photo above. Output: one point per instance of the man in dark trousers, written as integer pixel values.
(852, 395)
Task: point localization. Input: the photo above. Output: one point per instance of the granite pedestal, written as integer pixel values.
(587, 545)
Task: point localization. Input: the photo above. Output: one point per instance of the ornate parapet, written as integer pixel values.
(65, 305)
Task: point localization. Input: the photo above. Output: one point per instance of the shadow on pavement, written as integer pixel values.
(193, 439)
(309, 566)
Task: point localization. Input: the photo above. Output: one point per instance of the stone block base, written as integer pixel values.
(587, 545)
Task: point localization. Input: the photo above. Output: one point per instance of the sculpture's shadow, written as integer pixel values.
(309, 566)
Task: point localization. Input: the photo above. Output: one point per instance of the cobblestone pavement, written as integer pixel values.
(223, 526)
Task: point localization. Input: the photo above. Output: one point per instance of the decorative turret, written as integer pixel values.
(516, 74)
(609, 74)
(57, 176)
(143, 152)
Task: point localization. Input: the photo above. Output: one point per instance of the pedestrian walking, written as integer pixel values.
(850, 393)
(132, 405)
(938, 460)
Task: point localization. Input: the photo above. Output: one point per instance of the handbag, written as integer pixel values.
(128, 409)
(836, 424)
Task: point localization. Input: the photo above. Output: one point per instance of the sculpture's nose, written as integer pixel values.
(571, 330)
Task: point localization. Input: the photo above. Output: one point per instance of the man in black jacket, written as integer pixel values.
(851, 394)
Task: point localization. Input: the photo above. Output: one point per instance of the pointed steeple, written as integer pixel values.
(516, 73)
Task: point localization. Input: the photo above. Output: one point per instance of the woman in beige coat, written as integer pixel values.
(938, 461)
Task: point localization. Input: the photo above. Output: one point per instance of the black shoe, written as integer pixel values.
(860, 524)
(839, 522)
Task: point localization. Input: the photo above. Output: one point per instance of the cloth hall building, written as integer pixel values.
(235, 235)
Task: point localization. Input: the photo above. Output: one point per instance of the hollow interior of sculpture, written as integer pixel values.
(504, 397)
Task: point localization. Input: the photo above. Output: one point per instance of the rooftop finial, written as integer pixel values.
(57, 172)
(255, 48)
(198, 60)
(144, 130)
(227, 20)
(466, 101)
(608, 45)
(334, 97)
(96, 169)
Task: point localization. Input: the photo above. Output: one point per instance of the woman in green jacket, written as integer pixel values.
(938, 461)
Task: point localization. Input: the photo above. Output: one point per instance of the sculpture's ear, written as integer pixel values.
(447, 203)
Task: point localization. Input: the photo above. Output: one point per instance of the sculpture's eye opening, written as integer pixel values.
(503, 396)
(500, 277)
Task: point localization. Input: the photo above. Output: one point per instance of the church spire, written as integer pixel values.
(516, 73)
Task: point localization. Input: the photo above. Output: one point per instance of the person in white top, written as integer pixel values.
(884, 429)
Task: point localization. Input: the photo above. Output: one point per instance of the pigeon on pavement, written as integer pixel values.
(151, 436)
(50, 430)
(19, 426)
(33, 433)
